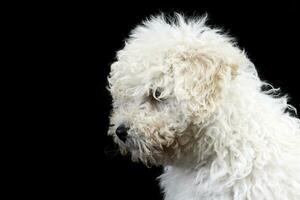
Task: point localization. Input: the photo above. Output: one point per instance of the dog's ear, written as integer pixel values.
(202, 77)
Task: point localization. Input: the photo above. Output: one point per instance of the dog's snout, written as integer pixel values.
(121, 132)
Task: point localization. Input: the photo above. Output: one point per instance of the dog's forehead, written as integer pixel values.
(142, 62)
(139, 73)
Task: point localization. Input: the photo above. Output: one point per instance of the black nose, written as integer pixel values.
(121, 132)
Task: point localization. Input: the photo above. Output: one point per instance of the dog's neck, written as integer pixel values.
(239, 134)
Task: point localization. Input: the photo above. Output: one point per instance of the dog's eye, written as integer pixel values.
(155, 95)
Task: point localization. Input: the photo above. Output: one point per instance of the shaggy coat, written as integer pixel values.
(192, 101)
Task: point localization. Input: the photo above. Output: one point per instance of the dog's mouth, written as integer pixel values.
(131, 143)
(138, 150)
(152, 147)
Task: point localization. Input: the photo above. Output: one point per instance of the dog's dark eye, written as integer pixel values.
(155, 94)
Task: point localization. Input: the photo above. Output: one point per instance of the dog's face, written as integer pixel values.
(166, 83)
(150, 111)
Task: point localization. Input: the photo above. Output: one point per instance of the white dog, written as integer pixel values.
(186, 97)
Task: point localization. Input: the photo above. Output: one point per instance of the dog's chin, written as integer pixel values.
(148, 160)
(140, 152)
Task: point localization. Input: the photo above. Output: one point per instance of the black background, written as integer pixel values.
(60, 55)
(268, 33)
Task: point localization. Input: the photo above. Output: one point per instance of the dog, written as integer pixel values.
(186, 97)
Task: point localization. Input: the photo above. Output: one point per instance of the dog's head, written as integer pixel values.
(166, 83)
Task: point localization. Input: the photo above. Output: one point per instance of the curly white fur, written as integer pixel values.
(193, 102)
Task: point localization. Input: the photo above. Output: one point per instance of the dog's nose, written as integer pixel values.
(121, 132)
